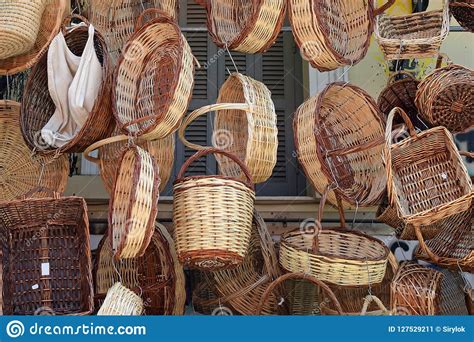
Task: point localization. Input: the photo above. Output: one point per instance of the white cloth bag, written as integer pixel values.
(73, 83)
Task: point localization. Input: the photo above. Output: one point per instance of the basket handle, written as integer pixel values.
(391, 79)
(140, 22)
(384, 7)
(213, 150)
(308, 277)
(392, 260)
(201, 111)
(100, 143)
(369, 299)
(67, 21)
(50, 192)
(467, 154)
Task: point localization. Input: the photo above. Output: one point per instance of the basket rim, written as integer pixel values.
(217, 177)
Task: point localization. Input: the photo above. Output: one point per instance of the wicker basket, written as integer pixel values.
(339, 140)
(212, 217)
(133, 205)
(416, 290)
(303, 298)
(445, 97)
(49, 25)
(206, 301)
(415, 35)
(244, 26)
(37, 107)
(243, 286)
(46, 256)
(121, 301)
(452, 294)
(110, 150)
(335, 35)
(245, 125)
(116, 19)
(21, 171)
(154, 79)
(427, 179)
(463, 12)
(360, 260)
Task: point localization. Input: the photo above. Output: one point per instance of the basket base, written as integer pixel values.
(210, 259)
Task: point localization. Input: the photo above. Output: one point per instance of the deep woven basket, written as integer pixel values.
(116, 19)
(427, 179)
(245, 26)
(154, 79)
(335, 35)
(361, 260)
(301, 298)
(463, 12)
(205, 237)
(446, 98)
(46, 256)
(21, 172)
(453, 295)
(414, 35)
(37, 107)
(333, 152)
(245, 125)
(162, 286)
(49, 26)
(121, 301)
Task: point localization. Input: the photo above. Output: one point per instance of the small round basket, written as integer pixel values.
(154, 79)
(244, 26)
(463, 12)
(121, 301)
(245, 125)
(205, 236)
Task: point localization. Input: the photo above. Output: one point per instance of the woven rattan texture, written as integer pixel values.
(121, 301)
(463, 12)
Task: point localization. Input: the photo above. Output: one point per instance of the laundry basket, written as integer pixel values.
(339, 140)
(37, 106)
(46, 256)
(21, 172)
(154, 78)
(244, 26)
(463, 12)
(333, 34)
(212, 216)
(121, 301)
(52, 13)
(245, 125)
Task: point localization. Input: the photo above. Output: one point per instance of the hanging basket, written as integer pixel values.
(121, 301)
(46, 256)
(416, 35)
(37, 106)
(32, 27)
(154, 79)
(20, 171)
(243, 286)
(110, 150)
(339, 139)
(116, 19)
(446, 97)
(212, 216)
(463, 12)
(244, 26)
(427, 179)
(416, 290)
(245, 125)
(335, 35)
(162, 285)
(360, 260)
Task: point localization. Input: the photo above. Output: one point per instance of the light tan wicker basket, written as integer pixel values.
(245, 125)
(121, 301)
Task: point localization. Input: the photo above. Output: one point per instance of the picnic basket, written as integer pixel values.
(121, 301)
(463, 12)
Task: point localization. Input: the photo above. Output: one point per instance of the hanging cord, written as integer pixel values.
(355, 215)
(116, 270)
(232, 59)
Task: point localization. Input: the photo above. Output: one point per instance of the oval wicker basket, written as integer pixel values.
(335, 35)
(339, 139)
(427, 179)
(446, 98)
(463, 12)
(205, 236)
(20, 172)
(360, 260)
(414, 35)
(110, 150)
(121, 301)
(49, 25)
(133, 205)
(154, 79)
(245, 125)
(116, 19)
(37, 107)
(162, 285)
(244, 26)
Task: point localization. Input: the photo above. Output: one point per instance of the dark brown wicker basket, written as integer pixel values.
(46, 256)
(463, 12)
(38, 107)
